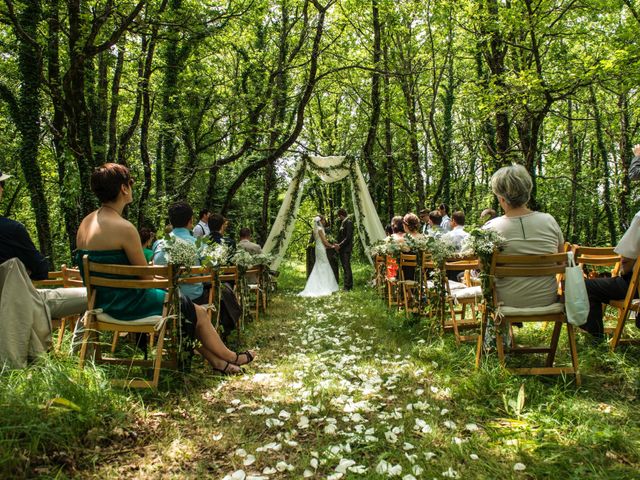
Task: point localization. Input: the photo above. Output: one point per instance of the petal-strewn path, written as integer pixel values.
(342, 389)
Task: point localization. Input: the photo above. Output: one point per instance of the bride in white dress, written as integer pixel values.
(322, 281)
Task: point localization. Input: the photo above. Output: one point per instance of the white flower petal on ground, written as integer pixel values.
(451, 425)
(395, 471)
(291, 443)
(276, 447)
(284, 415)
(314, 463)
(417, 470)
(390, 436)
(282, 466)
(408, 476)
(241, 452)
(217, 437)
(249, 460)
(519, 467)
(235, 402)
(269, 470)
(408, 446)
(344, 464)
(330, 429)
(230, 410)
(307, 473)
(256, 477)
(451, 473)
(412, 458)
(444, 411)
(335, 476)
(303, 422)
(358, 469)
(238, 475)
(473, 456)
(422, 426)
(429, 455)
(382, 467)
(471, 427)
(458, 440)
(273, 422)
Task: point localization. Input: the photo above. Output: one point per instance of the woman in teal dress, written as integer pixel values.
(106, 237)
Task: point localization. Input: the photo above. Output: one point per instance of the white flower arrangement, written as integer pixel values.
(215, 255)
(242, 259)
(181, 253)
(263, 259)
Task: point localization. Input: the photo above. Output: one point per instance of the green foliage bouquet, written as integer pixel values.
(214, 255)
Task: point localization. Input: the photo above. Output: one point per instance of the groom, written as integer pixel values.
(344, 246)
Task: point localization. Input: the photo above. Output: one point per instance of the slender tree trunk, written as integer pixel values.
(388, 139)
(625, 160)
(604, 159)
(115, 104)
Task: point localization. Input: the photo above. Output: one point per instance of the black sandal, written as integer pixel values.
(225, 371)
(249, 358)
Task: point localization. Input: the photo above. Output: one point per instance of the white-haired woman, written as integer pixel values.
(322, 281)
(527, 233)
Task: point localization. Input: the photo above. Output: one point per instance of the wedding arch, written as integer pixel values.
(329, 169)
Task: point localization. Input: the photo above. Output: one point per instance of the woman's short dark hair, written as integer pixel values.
(202, 213)
(412, 222)
(145, 234)
(396, 224)
(179, 214)
(435, 217)
(107, 179)
(215, 222)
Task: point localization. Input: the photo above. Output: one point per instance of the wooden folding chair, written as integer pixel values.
(380, 269)
(63, 278)
(462, 298)
(229, 274)
(257, 299)
(590, 257)
(503, 317)
(391, 281)
(630, 304)
(98, 275)
(408, 285)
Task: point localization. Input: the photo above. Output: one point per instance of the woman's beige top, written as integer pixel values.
(531, 234)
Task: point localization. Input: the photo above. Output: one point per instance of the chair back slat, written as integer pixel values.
(129, 270)
(408, 260)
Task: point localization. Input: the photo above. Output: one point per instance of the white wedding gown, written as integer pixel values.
(322, 281)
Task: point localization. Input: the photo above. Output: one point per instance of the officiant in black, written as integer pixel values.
(345, 247)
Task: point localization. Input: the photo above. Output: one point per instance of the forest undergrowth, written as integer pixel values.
(341, 389)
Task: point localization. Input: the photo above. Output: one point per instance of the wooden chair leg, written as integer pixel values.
(85, 343)
(114, 341)
(574, 353)
(63, 325)
(617, 334)
(553, 348)
(158, 360)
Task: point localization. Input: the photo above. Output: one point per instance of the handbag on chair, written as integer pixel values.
(575, 293)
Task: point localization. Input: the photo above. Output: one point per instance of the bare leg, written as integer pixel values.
(210, 339)
(218, 363)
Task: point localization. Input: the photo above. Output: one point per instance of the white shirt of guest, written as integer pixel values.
(446, 223)
(629, 244)
(535, 233)
(457, 236)
(201, 229)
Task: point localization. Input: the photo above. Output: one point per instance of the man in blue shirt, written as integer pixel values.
(181, 217)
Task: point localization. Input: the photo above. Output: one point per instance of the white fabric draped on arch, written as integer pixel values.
(329, 169)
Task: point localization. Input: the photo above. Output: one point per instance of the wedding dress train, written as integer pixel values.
(322, 281)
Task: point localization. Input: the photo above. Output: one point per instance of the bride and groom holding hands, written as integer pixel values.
(322, 280)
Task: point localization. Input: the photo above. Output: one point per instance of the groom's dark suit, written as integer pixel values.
(345, 240)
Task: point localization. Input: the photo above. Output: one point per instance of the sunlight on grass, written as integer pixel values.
(342, 389)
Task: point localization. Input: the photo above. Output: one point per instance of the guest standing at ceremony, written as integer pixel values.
(443, 209)
(202, 228)
(106, 237)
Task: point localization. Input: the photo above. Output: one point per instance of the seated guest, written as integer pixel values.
(526, 233)
(147, 238)
(388, 229)
(246, 244)
(443, 209)
(397, 225)
(603, 290)
(181, 217)
(218, 226)
(202, 228)
(106, 237)
(487, 214)
(434, 221)
(411, 224)
(457, 235)
(15, 242)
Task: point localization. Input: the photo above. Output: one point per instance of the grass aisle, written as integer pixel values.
(342, 389)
